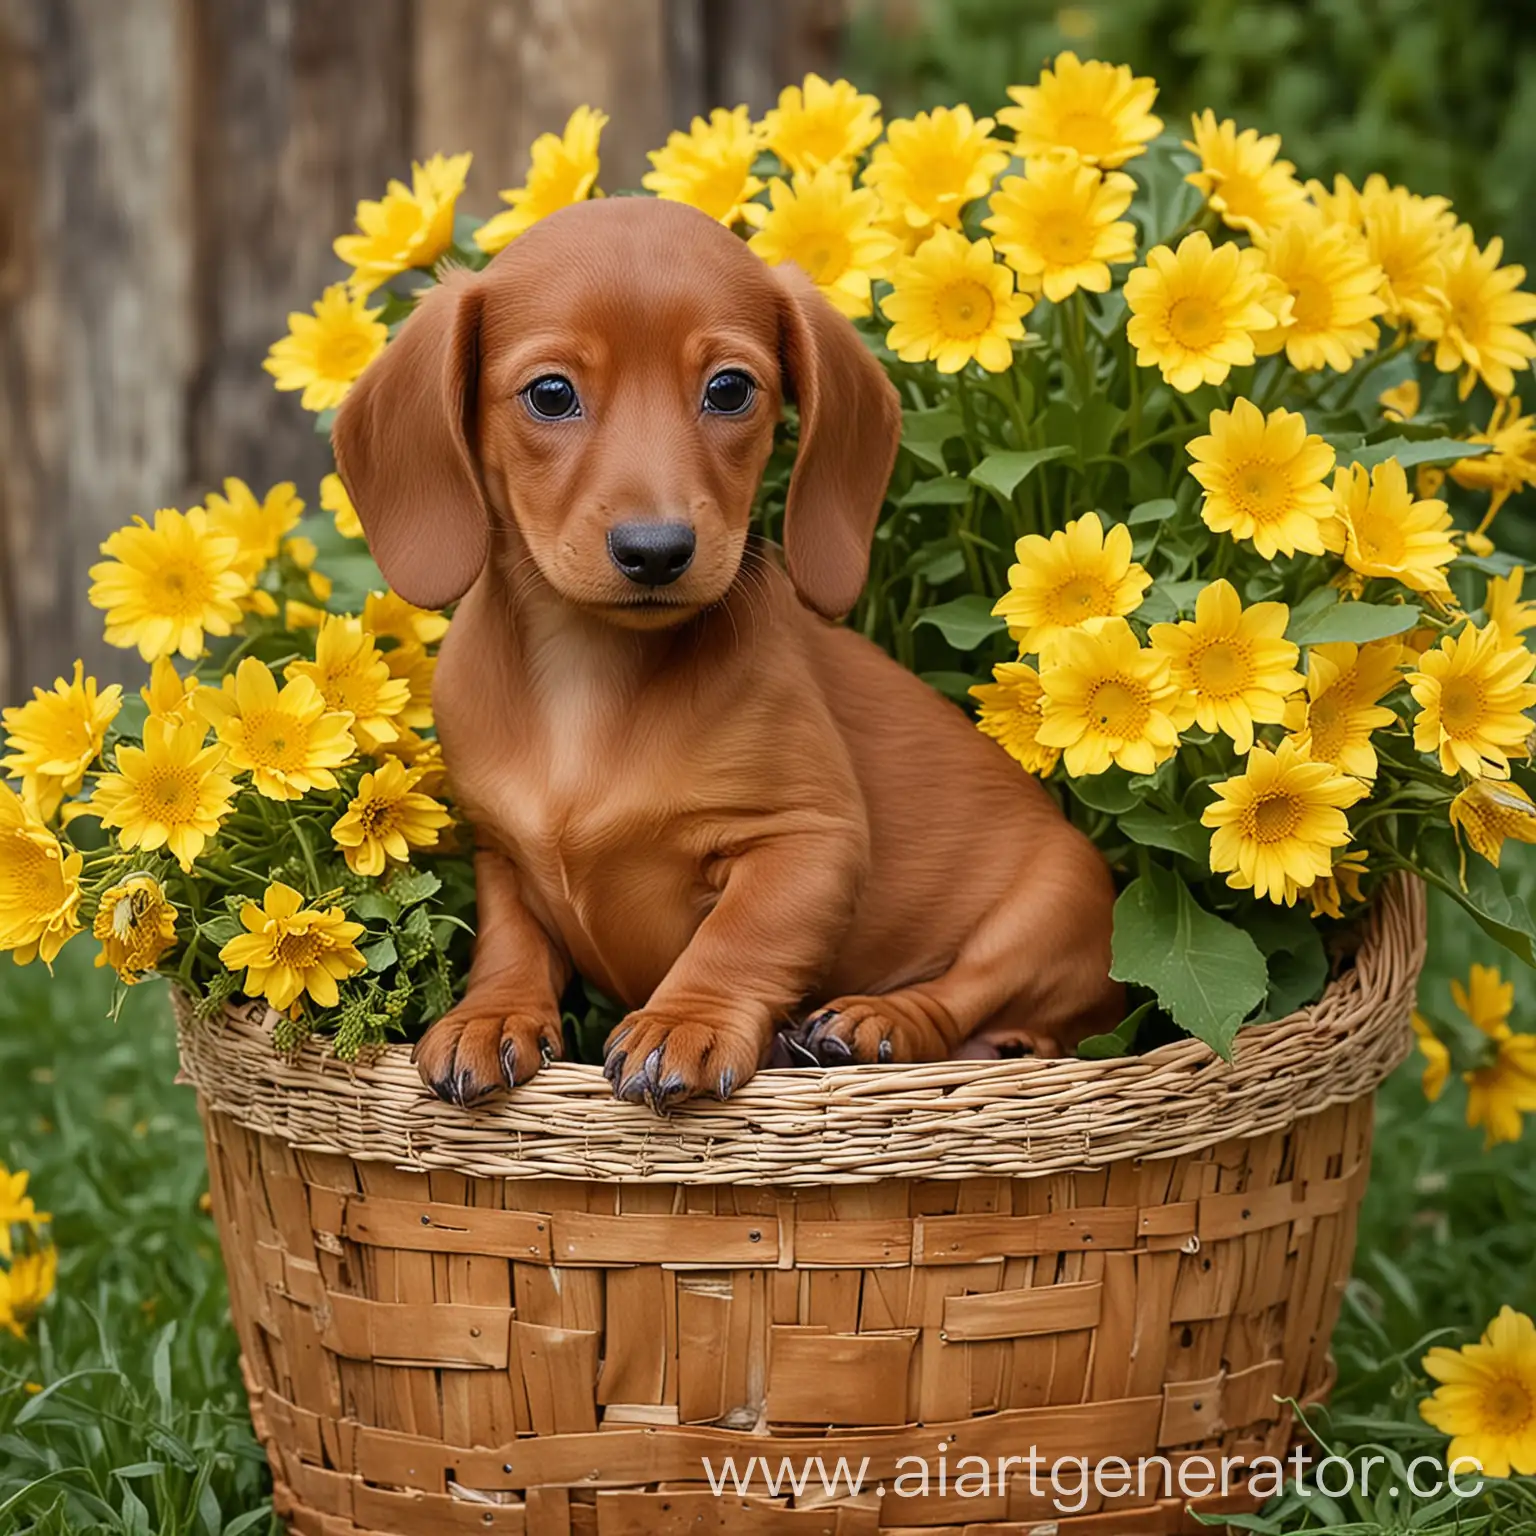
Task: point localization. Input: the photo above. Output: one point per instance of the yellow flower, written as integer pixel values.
(287, 741)
(1389, 534)
(1059, 227)
(1077, 574)
(1472, 691)
(1009, 711)
(166, 585)
(1334, 288)
(136, 924)
(387, 615)
(952, 304)
(1234, 662)
(1335, 720)
(256, 526)
(387, 818)
(1240, 177)
(39, 885)
(1265, 479)
(25, 1286)
(169, 695)
(1109, 701)
(1099, 111)
(1405, 235)
(1487, 812)
(56, 737)
(172, 792)
(415, 668)
(1486, 1400)
(1329, 892)
(930, 166)
(411, 226)
(16, 1207)
(353, 675)
(829, 231)
(297, 615)
(562, 169)
(1503, 1089)
(334, 499)
(1401, 402)
(289, 949)
(1195, 312)
(324, 352)
(710, 168)
(1437, 1057)
(1477, 314)
(1511, 463)
(1506, 610)
(818, 124)
(1278, 822)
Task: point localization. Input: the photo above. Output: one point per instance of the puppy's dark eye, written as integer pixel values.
(552, 397)
(729, 393)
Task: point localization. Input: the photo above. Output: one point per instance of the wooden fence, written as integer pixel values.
(172, 173)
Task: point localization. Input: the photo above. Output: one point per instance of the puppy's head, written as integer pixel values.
(610, 385)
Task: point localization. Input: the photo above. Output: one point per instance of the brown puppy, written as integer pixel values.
(686, 783)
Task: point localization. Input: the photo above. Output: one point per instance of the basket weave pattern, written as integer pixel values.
(1120, 1259)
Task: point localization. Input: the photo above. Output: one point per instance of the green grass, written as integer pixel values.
(141, 1425)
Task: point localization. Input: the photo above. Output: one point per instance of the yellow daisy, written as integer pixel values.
(25, 1286)
(136, 924)
(952, 304)
(1486, 1400)
(1389, 534)
(1078, 573)
(817, 124)
(1234, 662)
(1511, 463)
(57, 736)
(1472, 691)
(387, 615)
(169, 695)
(1400, 402)
(411, 226)
(1059, 226)
(1504, 1088)
(387, 818)
(171, 793)
(290, 950)
(257, 527)
(828, 229)
(1476, 319)
(1489, 812)
(325, 352)
(411, 665)
(1009, 711)
(39, 885)
(353, 676)
(1099, 111)
(1196, 311)
(1335, 719)
(1240, 177)
(1437, 1057)
(287, 741)
(710, 168)
(1405, 235)
(1506, 610)
(562, 169)
(930, 166)
(16, 1207)
(1277, 823)
(1330, 893)
(297, 615)
(1107, 700)
(334, 499)
(165, 586)
(1335, 290)
(1265, 479)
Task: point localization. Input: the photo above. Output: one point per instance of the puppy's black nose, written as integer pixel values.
(651, 554)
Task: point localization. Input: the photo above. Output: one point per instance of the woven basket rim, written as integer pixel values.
(857, 1124)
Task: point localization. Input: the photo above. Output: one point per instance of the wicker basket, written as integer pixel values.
(541, 1316)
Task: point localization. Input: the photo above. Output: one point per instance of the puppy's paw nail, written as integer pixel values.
(801, 1055)
(726, 1084)
(886, 1052)
(443, 1087)
(632, 1091)
(509, 1061)
(834, 1051)
(547, 1052)
(818, 1021)
(613, 1067)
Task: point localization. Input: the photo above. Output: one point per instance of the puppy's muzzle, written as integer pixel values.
(651, 554)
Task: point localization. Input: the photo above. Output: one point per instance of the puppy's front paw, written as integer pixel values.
(661, 1059)
(482, 1045)
(896, 1027)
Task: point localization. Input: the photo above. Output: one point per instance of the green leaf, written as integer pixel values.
(220, 930)
(1170, 202)
(1109, 791)
(1177, 834)
(1158, 511)
(1207, 974)
(942, 491)
(1500, 913)
(1293, 949)
(380, 956)
(965, 622)
(939, 565)
(1089, 428)
(1410, 452)
(1358, 622)
(1169, 600)
(953, 685)
(374, 906)
(408, 886)
(1118, 1041)
(1004, 473)
(924, 433)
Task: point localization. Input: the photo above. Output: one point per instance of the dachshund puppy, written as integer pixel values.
(686, 782)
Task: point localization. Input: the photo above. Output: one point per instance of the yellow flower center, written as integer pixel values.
(1461, 706)
(1379, 540)
(178, 589)
(1083, 597)
(276, 740)
(822, 255)
(1241, 195)
(31, 875)
(301, 950)
(1313, 306)
(1260, 490)
(1273, 817)
(1065, 237)
(1507, 1407)
(964, 309)
(1119, 706)
(351, 688)
(1195, 323)
(1089, 133)
(377, 817)
(1222, 668)
(169, 794)
(343, 354)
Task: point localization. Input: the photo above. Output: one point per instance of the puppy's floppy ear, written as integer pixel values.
(403, 441)
(850, 427)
